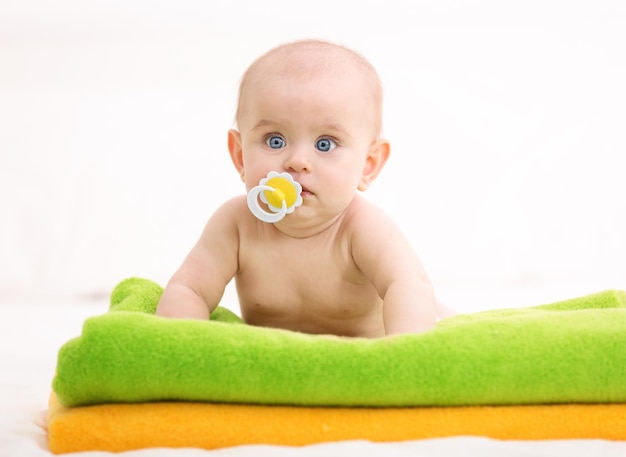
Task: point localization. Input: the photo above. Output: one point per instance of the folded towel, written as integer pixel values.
(567, 352)
(125, 427)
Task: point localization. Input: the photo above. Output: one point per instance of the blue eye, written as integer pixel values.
(275, 142)
(325, 145)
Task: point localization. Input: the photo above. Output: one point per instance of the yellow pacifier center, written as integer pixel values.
(284, 190)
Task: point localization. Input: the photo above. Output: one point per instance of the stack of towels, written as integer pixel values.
(134, 380)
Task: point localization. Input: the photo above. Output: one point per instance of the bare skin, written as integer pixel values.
(337, 265)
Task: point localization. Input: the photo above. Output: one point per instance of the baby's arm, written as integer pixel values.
(387, 258)
(198, 285)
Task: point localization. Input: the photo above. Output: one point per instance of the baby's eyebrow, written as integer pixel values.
(329, 128)
(263, 123)
(335, 129)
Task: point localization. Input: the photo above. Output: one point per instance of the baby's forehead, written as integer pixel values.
(308, 63)
(312, 60)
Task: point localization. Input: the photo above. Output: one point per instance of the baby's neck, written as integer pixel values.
(293, 227)
(291, 230)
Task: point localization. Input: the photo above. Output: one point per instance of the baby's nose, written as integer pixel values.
(298, 160)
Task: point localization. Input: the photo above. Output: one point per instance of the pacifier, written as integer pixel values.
(279, 192)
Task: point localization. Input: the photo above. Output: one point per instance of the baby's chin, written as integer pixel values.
(306, 222)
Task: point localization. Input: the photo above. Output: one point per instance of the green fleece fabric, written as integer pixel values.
(572, 351)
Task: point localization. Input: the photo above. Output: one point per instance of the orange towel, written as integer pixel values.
(123, 427)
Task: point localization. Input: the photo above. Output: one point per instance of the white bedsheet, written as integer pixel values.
(32, 332)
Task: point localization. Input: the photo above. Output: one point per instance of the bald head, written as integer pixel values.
(309, 59)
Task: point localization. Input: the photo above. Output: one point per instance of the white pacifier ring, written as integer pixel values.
(279, 192)
(260, 213)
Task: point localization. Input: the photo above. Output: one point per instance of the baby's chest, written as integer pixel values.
(297, 270)
(299, 275)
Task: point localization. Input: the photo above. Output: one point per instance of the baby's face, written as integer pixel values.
(317, 127)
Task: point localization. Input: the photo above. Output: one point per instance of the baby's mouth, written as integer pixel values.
(305, 192)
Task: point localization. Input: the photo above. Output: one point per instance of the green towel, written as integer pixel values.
(572, 351)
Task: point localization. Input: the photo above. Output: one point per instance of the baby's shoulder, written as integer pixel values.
(234, 204)
(362, 210)
(229, 213)
(366, 220)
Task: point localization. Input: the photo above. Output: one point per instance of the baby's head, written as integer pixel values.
(309, 59)
(311, 109)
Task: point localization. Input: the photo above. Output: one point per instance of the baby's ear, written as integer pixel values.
(374, 162)
(236, 151)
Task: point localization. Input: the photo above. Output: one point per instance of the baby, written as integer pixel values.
(337, 264)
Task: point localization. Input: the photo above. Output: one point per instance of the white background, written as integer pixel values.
(506, 118)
